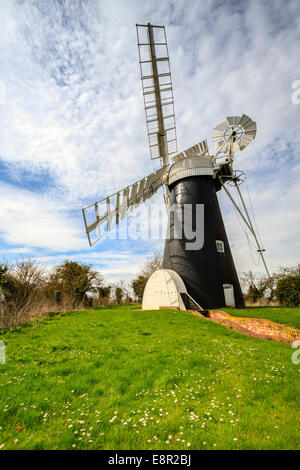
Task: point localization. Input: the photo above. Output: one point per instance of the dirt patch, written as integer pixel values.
(256, 327)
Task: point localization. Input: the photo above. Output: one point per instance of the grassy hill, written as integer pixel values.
(120, 378)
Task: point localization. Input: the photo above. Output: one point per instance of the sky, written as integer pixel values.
(72, 126)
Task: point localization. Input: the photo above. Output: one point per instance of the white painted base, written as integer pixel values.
(163, 290)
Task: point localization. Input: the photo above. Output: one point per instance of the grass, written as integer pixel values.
(289, 316)
(120, 378)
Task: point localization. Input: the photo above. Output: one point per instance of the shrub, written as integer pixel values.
(288, 291)
(74, 280)
(28, 290)
(138, 286)
(21, 287)
(118, 295)
(253, 294)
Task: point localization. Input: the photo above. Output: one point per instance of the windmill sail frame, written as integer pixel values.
(126, 199)
(157, 91)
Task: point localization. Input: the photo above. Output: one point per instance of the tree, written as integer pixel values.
(104, 293)
(266, 287)
(253, 294)
(21, 286)
(138, 285)
(282, 286)
(247, 279)
(75, 280)
(122, 293)
(118, 295)
(23, 281)
(258, 286)
(151, 265)
(3, 271)
(285, 272)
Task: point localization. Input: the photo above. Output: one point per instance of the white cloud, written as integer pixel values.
(29, 221)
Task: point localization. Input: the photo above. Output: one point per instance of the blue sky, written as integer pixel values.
(72, 124)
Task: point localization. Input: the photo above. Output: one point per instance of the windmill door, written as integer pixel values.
(229, 295)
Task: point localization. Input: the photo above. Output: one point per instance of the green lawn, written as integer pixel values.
(120, 378)
(289, 316)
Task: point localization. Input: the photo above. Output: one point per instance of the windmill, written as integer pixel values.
(190, 278)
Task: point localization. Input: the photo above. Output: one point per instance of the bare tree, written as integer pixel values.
(151, 265)
(138, 284)
(21, 288)
(248, 279)
(121, 293)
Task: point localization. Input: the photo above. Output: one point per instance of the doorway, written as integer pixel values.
(229, 295)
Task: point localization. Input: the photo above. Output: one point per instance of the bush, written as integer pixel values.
(282, 287)
(288, 291)
(104, 293)
(253, 294)
(21, 287)
(74, 280)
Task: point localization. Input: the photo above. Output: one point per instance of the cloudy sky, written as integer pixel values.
(72, 124)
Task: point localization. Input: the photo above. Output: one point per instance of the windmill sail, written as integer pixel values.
(157, 91)
(114, 208)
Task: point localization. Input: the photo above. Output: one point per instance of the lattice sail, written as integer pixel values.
(200, 149)
(157, 91)
(101, 215)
